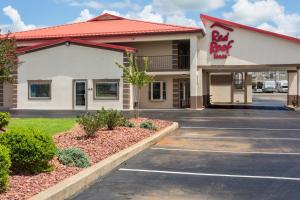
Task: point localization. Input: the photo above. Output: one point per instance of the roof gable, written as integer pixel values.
(105, 17)
(74, 41)
(205, 18)
(105, 25)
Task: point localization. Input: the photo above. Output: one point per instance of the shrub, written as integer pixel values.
(5, 164)
(4, 119)
(90, 123)
(30, 149)
(73, 157)
(147, 125)
(126, 123)
(111, 118)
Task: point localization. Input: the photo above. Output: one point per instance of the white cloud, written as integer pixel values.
(84, 16)
(254, 12)
(17, 22)
(93, 4)
(265, 14)
(180, 19)
(165, 6)
(148, 14)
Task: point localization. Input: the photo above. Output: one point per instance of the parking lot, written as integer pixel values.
(216, 154)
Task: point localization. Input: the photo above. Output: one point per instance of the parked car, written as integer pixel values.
(282, 86)
(269, 86)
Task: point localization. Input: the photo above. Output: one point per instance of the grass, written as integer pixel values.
(48, 125)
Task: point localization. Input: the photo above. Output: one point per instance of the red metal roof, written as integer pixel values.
(205, 18)
(103, 26)
(75, 41)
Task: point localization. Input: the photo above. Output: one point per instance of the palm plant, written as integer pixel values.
(137, 76)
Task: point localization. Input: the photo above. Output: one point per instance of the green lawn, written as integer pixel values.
(48, 125)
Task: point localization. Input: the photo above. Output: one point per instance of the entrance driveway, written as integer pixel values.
(216, 155)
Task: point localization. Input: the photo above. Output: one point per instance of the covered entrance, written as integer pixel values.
(227, 86)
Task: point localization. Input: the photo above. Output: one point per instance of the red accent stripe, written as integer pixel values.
(222, 26)
(76, 41)
(205, 18)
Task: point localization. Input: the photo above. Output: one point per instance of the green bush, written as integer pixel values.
(73, 157)
(126, 123)
(30, 149)
(5, 164)
(4, 119)
(90, 123)
(111, 118)
(147, 125)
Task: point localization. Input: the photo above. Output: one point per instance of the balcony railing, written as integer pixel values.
(165, 63)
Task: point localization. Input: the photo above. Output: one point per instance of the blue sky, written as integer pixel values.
(281, 16)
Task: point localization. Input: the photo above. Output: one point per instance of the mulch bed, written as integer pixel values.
(103, 145)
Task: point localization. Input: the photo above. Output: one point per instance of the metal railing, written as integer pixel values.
(165, 63)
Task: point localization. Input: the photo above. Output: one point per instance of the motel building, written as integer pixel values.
(72, 66)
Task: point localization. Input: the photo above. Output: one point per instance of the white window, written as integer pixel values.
(157, 91)
(39, 89)
(106, 89)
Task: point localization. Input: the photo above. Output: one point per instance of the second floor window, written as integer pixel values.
(157, 91)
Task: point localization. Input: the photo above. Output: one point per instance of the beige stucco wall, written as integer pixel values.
(250, 48)
(220, 91)
(292, 79)
(145, 103)
(155, 48)
(62, 64)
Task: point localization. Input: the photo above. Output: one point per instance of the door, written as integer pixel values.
(184, 93)
(80, 96)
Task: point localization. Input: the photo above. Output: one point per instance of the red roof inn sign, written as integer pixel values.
(220, 45)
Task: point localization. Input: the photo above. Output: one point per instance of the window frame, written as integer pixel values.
(97, 81)
(31, 82)
(162, 96)
(237, 80)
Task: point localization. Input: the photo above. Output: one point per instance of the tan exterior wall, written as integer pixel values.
(62, 64)
(250, 48)
(157, 48)
(220, 88)
(145, 103)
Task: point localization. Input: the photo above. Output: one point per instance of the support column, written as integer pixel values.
(298, 86)
(195, 76)
(292, 99)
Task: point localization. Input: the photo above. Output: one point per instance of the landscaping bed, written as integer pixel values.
(100, 146)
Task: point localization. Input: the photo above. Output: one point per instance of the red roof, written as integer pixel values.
(103, 26)
(74, 41)
(205, 18)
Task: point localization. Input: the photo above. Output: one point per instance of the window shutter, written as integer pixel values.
(149, 91)
(164, 91)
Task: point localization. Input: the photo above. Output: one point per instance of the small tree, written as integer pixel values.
(137, 76)
(8, 58)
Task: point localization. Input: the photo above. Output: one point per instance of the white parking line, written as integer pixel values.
(236, 138)
(242, 128)
(229, 152)
(212, 175)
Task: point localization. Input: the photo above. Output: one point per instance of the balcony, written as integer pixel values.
(165, 63)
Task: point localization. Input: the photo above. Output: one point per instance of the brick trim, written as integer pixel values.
(126, 87)
(176, 93)
(174, 54)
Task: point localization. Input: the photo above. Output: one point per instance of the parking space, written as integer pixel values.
(234, 155)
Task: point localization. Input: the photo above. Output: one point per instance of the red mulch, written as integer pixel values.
(104, 144)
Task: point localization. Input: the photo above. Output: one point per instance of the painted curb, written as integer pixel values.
(78, 182)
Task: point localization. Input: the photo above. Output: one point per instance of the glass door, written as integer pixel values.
(80, 95)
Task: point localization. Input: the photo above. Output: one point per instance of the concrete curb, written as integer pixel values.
(70, 186)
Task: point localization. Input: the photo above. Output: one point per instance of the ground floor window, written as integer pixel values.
(238, 80)
(106, 89)
(157, 91)
(39, 89)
